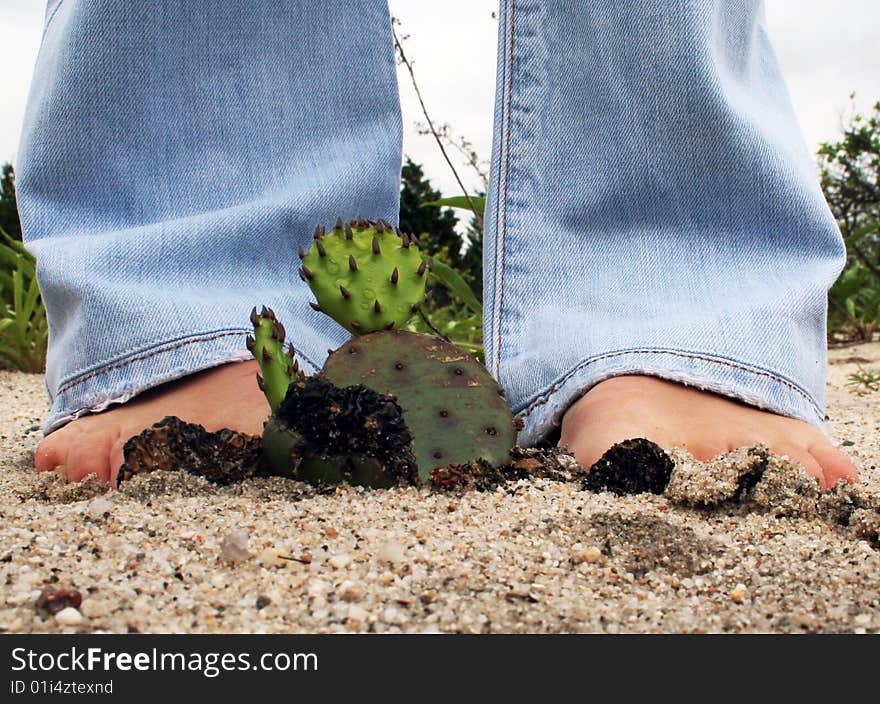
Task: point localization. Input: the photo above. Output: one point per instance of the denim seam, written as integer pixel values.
(501, 254)
(51, 15)
(686, 355)
(157, 351)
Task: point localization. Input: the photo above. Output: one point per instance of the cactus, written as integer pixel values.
(346, 424)
(324, 434)
(366, 275)
(455, 410)
(279, 366)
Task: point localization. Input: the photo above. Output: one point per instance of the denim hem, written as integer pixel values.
(116, 383)
(756, 386)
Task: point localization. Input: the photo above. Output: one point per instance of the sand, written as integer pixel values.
(173, 553)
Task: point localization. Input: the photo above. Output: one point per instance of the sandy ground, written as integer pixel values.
(530, 556)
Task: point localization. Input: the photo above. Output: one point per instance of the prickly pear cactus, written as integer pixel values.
(365, 275)
(455, 410)
(278, 364)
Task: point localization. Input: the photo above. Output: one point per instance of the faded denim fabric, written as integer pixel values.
(653, 208)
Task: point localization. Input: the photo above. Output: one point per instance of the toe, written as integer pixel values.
(836, 466)
(51, 452)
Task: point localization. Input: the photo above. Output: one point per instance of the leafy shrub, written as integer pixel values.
(24, 330)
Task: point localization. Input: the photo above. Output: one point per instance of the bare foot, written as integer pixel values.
(706, 424)
(222, 397)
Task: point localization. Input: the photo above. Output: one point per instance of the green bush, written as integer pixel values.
(24, 330)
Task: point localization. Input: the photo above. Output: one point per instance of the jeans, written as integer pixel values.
(653, 208)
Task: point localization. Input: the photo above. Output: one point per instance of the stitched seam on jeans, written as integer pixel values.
(153, 353)
(686, 355)
(51, 15)
(507, 126)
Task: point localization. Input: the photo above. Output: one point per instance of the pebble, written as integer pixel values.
(234, 546)
(739, 593)
(358, 613)
(391, 551)
(590, 555)
(350, 591)
(68, 617)
(393, 616)
(97, 508)
(272, 557)
(339, 561)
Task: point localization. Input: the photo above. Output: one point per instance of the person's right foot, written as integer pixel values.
(223, 397)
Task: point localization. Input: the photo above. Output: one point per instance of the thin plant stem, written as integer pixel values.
(412, 75)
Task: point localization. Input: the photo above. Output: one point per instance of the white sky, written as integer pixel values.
(827, 50)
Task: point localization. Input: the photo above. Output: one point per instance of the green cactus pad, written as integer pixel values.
(455, 410)
(278, 365)
(365, 275)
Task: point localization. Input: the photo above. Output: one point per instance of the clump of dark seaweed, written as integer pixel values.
(222, 457)
(554, 464)
(633, 466)
(330, 434)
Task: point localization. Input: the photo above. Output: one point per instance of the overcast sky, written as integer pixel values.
(827, 50)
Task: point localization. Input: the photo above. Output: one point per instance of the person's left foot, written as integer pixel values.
(704, 423)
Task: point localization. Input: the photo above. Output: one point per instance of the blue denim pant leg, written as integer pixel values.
(172, 158)
(653, 209)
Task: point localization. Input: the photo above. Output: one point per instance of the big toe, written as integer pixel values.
(51, 452)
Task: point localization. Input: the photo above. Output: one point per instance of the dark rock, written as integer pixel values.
(52, 600)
